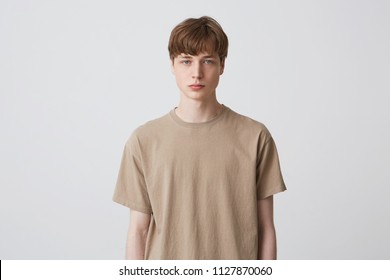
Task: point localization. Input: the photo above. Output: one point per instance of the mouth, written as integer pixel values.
(196, 86)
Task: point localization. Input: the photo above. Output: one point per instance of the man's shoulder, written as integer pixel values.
(246, 123)
(149, 128)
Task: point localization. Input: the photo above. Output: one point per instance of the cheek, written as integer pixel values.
(180, 79)
(215, 75)
(180, 76)
(181, 73)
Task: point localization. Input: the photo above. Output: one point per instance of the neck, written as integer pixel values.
(194, 111)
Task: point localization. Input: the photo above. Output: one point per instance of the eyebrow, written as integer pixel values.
(208, 56)
(185, 56)
(189, 56)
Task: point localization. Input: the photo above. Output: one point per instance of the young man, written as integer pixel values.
(200, 180)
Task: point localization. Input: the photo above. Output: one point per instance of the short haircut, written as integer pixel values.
(196, 35)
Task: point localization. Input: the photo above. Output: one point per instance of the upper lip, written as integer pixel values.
(196, 85)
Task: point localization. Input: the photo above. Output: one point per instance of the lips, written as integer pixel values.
(196, 86)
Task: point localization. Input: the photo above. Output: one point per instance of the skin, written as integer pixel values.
(197, 77)
(136, 237)
(197, 104)
(267, 233)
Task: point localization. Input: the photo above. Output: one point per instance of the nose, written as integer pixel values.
(197, 71)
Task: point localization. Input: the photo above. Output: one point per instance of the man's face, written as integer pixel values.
(197, 76)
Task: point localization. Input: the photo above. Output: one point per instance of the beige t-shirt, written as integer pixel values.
(200, 182)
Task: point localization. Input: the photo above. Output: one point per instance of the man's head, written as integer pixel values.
(198, 35)
(198, 48)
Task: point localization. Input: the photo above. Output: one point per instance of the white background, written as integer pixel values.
(77, 77)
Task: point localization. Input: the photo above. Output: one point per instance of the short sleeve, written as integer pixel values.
(131, 190)
(269, 179)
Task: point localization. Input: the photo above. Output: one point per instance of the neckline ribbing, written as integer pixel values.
(179, 121)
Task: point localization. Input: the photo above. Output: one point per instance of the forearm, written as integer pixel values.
(267, 244)
(135, 245)
(137, 234)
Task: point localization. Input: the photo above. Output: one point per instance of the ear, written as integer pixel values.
(222, 66)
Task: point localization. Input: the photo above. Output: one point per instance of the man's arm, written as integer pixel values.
(136, 238)
(267, 234)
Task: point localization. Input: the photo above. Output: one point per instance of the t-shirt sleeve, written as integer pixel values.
(269, 179)
(131, 190)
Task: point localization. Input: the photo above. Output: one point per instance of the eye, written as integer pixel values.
(208, 61)
(185, 62)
